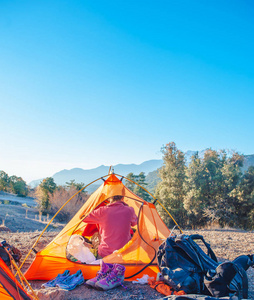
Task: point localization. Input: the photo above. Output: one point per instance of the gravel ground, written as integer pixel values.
(227, 245)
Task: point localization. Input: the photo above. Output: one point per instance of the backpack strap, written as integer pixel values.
(209, 249)
(245, 261)
(240, 282)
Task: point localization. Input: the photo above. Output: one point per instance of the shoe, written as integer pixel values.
(113, 279)
(104, 271)
(72, 281)
(59, 278)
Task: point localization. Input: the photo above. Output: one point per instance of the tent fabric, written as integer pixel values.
(10, 288)
(139, 252)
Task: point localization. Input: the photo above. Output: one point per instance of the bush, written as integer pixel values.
(63, 194)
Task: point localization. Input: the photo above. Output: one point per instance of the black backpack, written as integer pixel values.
(6, 251)
(230, 278)
(185, 266)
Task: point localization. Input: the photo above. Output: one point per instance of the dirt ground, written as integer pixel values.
(227, 244)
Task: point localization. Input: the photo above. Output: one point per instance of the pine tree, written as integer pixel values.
(171, 190)
(129, 184)
(245, 196)
(211, 183)
(137, 190)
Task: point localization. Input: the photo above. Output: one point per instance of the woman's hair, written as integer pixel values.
(117, 198)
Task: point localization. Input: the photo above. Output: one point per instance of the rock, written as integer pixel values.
(51, 294)
(4, 228)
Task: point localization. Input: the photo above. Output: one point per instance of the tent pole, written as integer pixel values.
(170, 215)
(23, 277)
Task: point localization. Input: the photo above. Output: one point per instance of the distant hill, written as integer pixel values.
(248, 161)
(152, 180)
(86, 176)
(148, 167)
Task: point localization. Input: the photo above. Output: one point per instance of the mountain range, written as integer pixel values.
(148, 167)
(86, 176)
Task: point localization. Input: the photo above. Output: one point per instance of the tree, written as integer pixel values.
(44, 190)
(245, 197)
(130, 185)
(171, 190)
(204, 179)
(210, 183)
(72, 183)
(229, 204)
(137, 190)
(4, 181)
(193, 200)
(18, 186)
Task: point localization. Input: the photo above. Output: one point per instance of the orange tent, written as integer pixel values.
(10, 288)
(138, 255)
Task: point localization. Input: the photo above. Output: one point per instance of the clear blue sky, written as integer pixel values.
(85, 83)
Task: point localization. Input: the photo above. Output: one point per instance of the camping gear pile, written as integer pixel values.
(185, 266)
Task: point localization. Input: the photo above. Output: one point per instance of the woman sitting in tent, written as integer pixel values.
(115, 221)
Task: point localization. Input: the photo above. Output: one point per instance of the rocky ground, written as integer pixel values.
(227, 244)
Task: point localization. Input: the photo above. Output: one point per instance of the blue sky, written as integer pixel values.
(85, 83)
